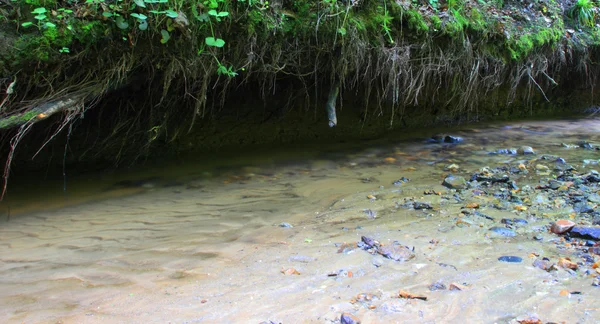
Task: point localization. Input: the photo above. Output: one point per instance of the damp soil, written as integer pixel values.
(216, 241)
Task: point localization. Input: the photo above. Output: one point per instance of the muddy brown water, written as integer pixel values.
(200, 242)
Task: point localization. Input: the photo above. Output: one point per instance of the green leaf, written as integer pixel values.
(212, 12)
(139, 16)
(342, 31)
(143, 25)
(121, 23)
(140, 3)
(39, 11)
(211, 41)
(40, 17)
(171, 14)
(165, 36)
(223, 14)
(107, 14)
(27, 24)
(157, 12)
(50, 25)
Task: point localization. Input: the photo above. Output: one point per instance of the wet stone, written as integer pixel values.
(587, 232)
(437, 286)
(510, 259)
(348, 318)
(421, 206)
(503, 231)
(585, 145)
(401, 181)
(525, 150)
(594, 198)
(561, 226)
(582, 207)
(396, 252)
(286, 225)
(455, 182)
(545, 265)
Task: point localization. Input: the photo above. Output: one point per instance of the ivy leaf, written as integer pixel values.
(171, 14)
(143, 25)
(39, 11)
(211, 41)
(121, 23)
(165, 36)
(139, 16)
(140, 3)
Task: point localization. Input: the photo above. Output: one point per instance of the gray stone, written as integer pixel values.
(503, 231)
(455, 182)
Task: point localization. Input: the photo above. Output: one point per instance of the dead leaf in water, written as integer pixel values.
(407, 295)
(290, 271)
(529, 320)
(520, 208)
(389, 160)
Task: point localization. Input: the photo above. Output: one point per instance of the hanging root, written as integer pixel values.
(333, 94)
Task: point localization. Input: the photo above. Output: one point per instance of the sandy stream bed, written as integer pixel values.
(210, 250)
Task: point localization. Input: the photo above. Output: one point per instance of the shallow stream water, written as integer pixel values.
(202, 241)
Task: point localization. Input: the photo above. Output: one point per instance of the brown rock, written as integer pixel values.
(348, 318)
(566, 263)
(562, 226)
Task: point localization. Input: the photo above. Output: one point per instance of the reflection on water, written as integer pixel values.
(201, 242)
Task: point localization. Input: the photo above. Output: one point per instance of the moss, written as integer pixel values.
(416, 21)
(524, 45)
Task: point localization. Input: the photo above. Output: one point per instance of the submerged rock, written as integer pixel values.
(348, 318)
(443, 138)
(395, 252)
(503, 231)
(510, 258)
(588, 232)
(525, 150)
(455, 182)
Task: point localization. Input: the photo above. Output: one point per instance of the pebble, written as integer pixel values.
(437, 286)
(457, 287)
(510, 258)
(524, 150)
(452, 167)
(286, 225)
(544, 265)
(503, 231)
(562, 226)
(455, 182)
(348, 318)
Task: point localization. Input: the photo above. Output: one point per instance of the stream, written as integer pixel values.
(276, 236)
